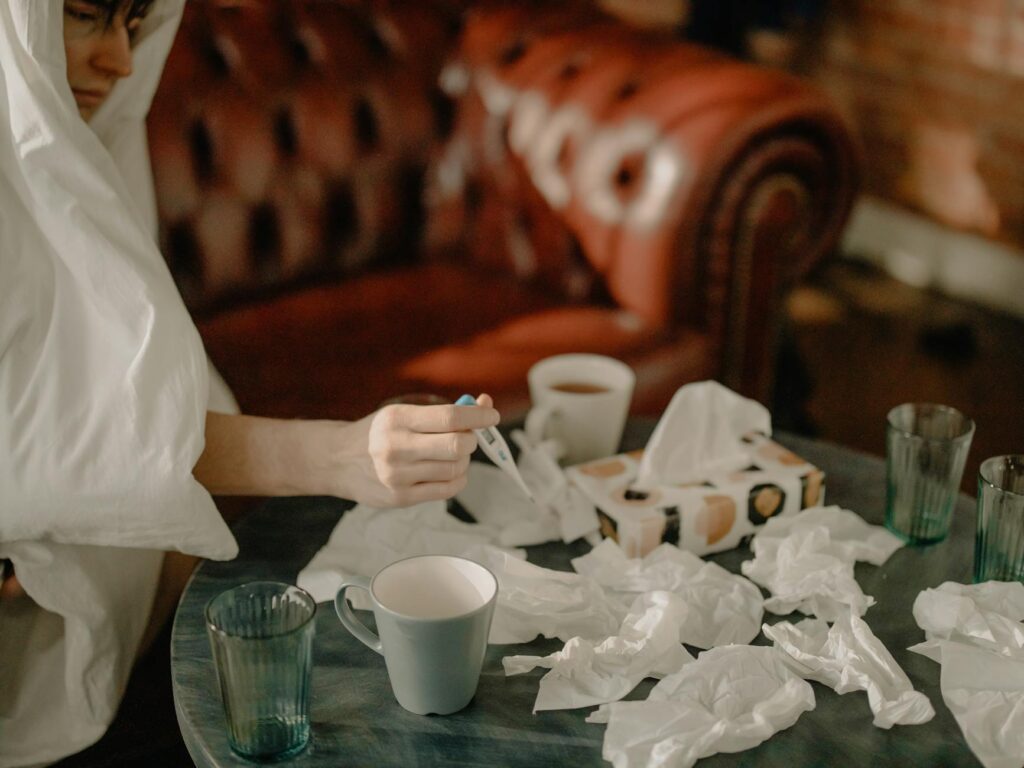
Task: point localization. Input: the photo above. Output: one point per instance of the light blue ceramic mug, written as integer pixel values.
(433, 614)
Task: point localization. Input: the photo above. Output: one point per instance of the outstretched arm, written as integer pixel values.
(397, 456)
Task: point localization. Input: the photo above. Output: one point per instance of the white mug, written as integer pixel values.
(433, 617)
(582, 402)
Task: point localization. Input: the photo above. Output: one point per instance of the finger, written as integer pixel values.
(416, 494)
(430, 472)
(445, 446)
(447, 418)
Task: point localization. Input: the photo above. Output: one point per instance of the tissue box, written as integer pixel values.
(709, 516)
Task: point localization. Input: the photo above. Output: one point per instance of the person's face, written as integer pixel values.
(98, 49)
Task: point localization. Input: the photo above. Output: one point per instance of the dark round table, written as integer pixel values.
(356, 721)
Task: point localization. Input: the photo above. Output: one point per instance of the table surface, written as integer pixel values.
(356, 720)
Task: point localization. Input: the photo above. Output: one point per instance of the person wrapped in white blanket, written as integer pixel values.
(114, 432)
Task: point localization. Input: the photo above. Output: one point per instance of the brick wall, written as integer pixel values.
(936, 90)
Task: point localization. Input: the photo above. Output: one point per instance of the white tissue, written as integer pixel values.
(367, 539)
(585, 673)
(802, 575)
(531, 600)
(849, 657)
(806, 561)
(722, 608)
(985, 692)
(851, 537)
(975, 632)
(538, 464)
(987, 615)
(699, 434)
(496, 500)
(539, 601)
(730, 699)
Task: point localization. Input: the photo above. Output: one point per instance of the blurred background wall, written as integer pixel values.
(925, 300)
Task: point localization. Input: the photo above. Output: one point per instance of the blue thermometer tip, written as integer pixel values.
(491, 442)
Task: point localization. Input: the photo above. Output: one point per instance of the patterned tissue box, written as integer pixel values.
(710, 516)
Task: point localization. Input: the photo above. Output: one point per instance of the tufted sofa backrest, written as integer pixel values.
(293, 139)
(289, 139)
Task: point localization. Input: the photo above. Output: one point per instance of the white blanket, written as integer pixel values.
(103, 388)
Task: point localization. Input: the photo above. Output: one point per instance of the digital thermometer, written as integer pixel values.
(493, 444)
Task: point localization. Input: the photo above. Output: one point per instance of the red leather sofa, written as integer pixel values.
(364, 198)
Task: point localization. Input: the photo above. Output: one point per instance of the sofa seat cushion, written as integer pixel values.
(335, 351)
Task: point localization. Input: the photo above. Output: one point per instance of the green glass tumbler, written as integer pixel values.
(999, 542)
(261, 635)
(926, 449)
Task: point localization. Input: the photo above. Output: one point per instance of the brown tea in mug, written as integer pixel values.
(579, 388)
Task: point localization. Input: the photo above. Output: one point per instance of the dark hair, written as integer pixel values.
(136, 9)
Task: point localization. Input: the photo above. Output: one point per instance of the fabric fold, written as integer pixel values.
(104, 386)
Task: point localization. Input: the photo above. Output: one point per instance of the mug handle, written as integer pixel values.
(537, 422)
(352, 624)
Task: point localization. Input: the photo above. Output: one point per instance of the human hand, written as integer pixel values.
(406, 454)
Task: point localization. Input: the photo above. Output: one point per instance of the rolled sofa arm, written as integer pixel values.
(695, 188)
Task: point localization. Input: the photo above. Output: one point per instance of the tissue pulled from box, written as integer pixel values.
(849, 657)
(700, 434)
(712, 513)
(728, 700)
(806, 561)
(585, 673)
(975, 632)
(722, 608)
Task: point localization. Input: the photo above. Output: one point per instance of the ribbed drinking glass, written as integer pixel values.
(999, 543)
(261, 635)
(926, 448)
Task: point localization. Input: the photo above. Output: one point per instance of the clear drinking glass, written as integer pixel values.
(999, 544)
(261, 635)
(926, 448)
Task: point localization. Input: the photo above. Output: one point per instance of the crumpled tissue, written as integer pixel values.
(540, 601)
(494, 499)
(851, 537)
(806, 561)
(986, 615)
(849, 657)
(700, 434)
(367, 539)
(531, 600)
(585, 673)
(975, 633)
(728, 700)
(722, 608)
(538, 464)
